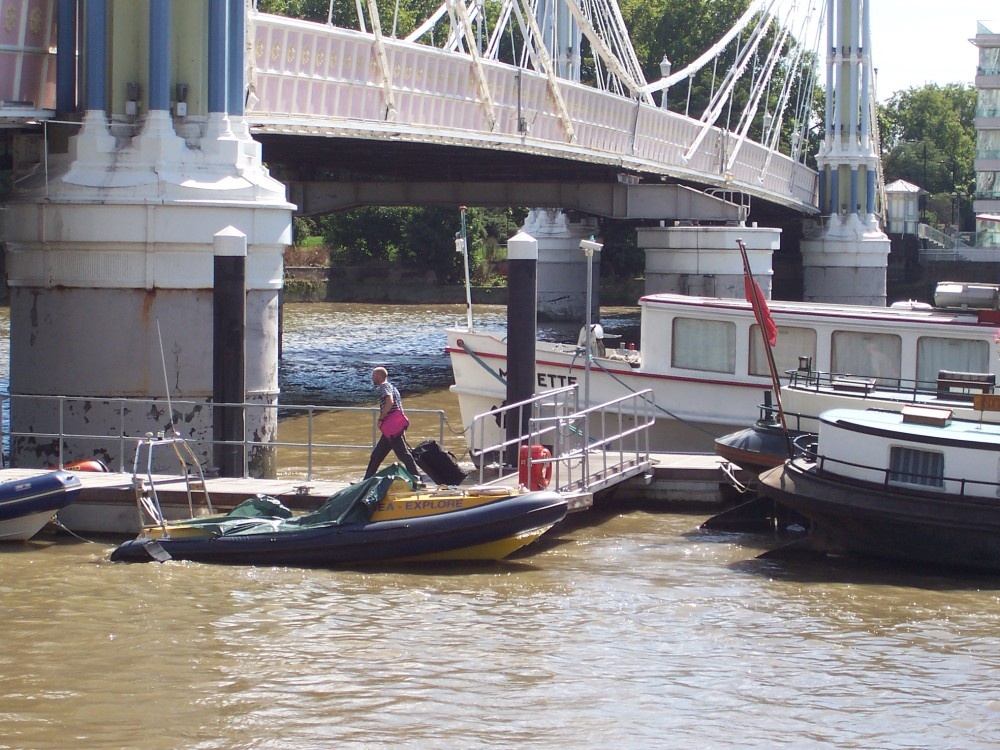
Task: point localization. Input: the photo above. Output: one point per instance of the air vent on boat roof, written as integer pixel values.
(967, 295)
(928, 415)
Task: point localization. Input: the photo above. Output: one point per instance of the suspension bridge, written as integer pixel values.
(159, 149)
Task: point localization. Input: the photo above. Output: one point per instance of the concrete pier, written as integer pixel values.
(562, 266)
(697, 260)
(111, 248)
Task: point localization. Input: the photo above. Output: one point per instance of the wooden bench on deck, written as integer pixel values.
(951, 383)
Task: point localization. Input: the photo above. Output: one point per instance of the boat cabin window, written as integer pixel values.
(935, 354)
(912, 466)
(874, 355)
(793, 342)
(704, 345)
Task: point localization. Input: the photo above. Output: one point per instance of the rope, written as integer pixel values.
(482, 364)
(659, 408)
(56, 522)
(608, 372)
(727, 469)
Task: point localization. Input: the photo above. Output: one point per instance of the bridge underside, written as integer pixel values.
(657, 202)
(325, 175)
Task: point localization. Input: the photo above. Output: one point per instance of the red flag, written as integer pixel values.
(756, 298)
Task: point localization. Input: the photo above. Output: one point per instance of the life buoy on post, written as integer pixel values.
(541, 468)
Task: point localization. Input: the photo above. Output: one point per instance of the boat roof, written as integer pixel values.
(899, 424)
(780, 308)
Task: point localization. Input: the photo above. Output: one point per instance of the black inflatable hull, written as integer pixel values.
(443, 536)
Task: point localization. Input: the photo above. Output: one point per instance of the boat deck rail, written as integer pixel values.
(899, 477)
(588, 449)
(120, 440)
(949, 385)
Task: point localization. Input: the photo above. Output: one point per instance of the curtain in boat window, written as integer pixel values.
(935, 354)
(704, 345)
(913, 466)
(870, 355)
(792, 343)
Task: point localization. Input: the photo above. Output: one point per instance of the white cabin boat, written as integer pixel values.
(915, 485)
(704, 359)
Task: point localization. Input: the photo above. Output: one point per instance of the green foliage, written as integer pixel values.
(620, 256)
(400, 18)
(929, 139)
(419, 237)
(304, 290)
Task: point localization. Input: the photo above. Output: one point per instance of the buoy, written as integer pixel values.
(541, 467)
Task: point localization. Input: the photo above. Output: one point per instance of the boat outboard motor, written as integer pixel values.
(597, 348)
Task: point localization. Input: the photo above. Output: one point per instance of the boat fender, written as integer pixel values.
(541, 467)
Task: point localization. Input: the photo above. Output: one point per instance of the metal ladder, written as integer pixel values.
(144, 485)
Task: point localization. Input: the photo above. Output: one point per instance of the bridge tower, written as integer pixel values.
(112, 249)
(845, 256)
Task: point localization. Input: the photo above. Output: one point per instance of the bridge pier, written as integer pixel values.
(846, 263)
(706, 260)
(111, 250)
(562, 266)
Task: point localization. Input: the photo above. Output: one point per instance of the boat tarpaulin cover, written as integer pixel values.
(353, 504)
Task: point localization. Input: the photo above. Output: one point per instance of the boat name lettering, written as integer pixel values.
(549, 379)
(554, 380)
(434, 504)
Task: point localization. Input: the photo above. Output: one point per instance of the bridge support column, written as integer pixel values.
(706, 260)
(844, 260)
(562, 267)
(110, 259)
(846, 263)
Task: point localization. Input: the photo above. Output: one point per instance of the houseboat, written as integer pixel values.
(915, 485)
(705, 362)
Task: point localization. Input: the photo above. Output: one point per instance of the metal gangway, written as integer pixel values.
(586, 449)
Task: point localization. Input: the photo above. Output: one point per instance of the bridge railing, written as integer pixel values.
(303, 448)
(310, 77)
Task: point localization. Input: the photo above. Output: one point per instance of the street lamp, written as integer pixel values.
(954, 211)
(664, 73)
(589, 247)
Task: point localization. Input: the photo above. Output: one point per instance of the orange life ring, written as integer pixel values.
(86, 464)
(541, 467)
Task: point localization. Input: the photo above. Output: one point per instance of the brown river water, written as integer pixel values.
(627, 627)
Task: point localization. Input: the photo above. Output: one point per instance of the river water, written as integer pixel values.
(626, 627)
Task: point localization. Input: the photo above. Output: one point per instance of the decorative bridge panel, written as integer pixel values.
(315, 78)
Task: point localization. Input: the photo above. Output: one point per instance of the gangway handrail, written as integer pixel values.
(627, 445)
(572, 440)
(565, 398)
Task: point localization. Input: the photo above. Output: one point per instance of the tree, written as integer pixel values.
(929, 139)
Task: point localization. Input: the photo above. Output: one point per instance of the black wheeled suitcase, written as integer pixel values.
(440, 465)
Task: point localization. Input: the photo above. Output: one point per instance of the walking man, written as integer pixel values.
(389, 401)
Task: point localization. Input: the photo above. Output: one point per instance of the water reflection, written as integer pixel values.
(628, 632)
(330, 349)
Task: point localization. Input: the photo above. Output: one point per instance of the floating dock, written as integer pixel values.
(107, 503)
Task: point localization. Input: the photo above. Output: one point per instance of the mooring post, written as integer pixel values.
(522, 323)
(229, 351)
